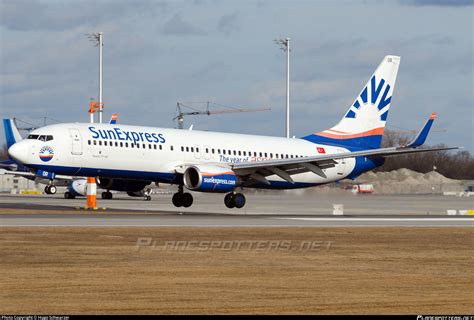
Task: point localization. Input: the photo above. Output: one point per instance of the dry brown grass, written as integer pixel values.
(366, 270)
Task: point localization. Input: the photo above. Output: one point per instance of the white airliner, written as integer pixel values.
(135, 156)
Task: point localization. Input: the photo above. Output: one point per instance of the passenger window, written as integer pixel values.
(213, 151)
(171, 148)
(197, 149)
(192, 149)
(88, 142)
(223, 151)
(161, 147)
(105, 143)
(126, 144)
(240, 153)
(95, 142)
(144, 146)
(121, 144)
(100, 142)
(187, 149)
(207, 150)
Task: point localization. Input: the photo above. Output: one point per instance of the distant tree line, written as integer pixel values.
(3, 152)
(457, 164)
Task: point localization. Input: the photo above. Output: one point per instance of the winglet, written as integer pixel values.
(423, 134)
(11, 132)
(114, 118)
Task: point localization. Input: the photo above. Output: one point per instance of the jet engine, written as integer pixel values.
(208, 178)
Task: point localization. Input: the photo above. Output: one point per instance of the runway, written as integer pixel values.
(206, 220)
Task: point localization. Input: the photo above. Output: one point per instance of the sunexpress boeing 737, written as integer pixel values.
(223, 162)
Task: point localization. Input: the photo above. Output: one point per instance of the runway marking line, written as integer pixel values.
(378, 219)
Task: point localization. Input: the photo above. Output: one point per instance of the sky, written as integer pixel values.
(159, 52)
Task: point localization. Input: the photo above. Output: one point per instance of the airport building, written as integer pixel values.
(14, 185)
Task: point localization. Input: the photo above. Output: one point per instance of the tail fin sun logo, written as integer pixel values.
(372, 95)
(46, 153)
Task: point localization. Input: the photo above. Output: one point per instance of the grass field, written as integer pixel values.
(349, 270)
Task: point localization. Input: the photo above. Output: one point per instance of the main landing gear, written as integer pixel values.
(69, 195)
(234, 200)
(107, 195)
(50, 189)
(181, 199)
(231, 200)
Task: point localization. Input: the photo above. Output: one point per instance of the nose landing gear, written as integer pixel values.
(50, 189)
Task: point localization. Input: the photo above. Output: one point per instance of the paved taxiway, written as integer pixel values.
(298, 202)
(279, 209)
(205, 220)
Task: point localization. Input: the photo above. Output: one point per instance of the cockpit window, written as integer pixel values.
(40, 137)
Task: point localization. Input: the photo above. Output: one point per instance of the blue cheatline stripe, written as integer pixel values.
(112, 173)
(353, 144)
(152, 176)
(9, 132)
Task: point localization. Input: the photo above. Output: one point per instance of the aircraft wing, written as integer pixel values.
(284, 168)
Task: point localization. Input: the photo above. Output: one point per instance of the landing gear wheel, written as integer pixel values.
(239, 200)
(106, 195)
(187, 199)
(52, 189)
(69, 195)
(147, 198)
(229, 200)
(46, 190)
(177, 199)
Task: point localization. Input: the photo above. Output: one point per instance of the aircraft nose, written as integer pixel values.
(19, 151)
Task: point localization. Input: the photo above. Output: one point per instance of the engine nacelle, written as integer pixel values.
(121, 184)
(207, 178)
(78, 188)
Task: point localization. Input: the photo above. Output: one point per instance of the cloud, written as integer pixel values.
(228, 23)
(177, 26)
(447, 3)
(26, 15)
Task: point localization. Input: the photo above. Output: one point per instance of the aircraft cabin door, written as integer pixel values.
(76, 139)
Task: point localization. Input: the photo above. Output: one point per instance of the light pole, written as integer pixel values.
(96, 38)
(285, 46)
